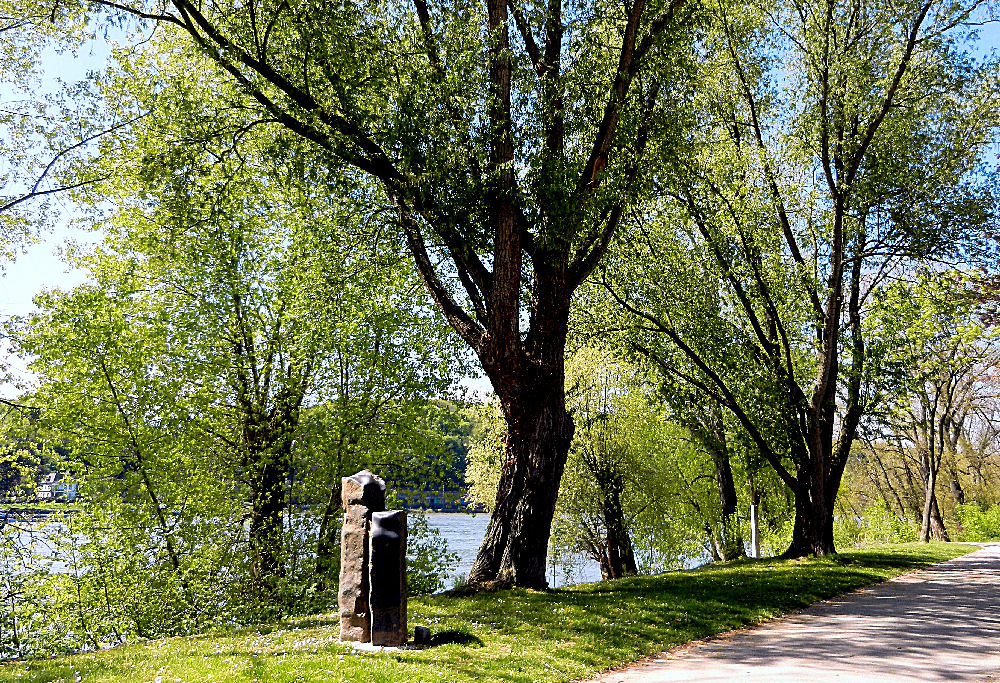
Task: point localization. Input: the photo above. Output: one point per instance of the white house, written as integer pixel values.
(56, 487)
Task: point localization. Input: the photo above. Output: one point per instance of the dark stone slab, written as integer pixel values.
(387, 543)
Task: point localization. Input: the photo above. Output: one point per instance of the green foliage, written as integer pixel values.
(667, 490)
(978, 523)
(20, 466)
(242, 320)
(936, 409)
(517, 635)
(837, 146)
(428, 561)
(486, 453)
(37, 617)
(875, 525)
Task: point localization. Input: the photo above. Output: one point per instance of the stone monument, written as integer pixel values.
(363, 495)
(387, 556)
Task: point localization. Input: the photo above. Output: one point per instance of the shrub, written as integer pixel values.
(428, 560)
(977, 523)
(875, 525)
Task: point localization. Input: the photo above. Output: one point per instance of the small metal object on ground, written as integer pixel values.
(421, 635)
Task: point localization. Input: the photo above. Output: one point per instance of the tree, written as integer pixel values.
(605, 458)
(220, 317)
(839, 146)
(508, 165)
(943, 357)
(639, 493)
(43, 138)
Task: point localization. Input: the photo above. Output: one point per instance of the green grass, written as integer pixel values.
(515, 635)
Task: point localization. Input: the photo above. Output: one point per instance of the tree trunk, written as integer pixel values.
(267, 506)
(515, 546)
(957, 492)
(938, 531)
(816, 491)
(711, 433)
(529, 378)
(268, 458)
(931, 524)
(930, 501)
(730, 538)
(621, 556)
(812, 533)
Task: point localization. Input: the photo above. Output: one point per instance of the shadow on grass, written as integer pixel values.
(455, 637)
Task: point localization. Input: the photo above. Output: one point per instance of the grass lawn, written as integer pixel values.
(515, 635)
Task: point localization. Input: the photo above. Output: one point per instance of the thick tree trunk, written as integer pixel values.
(812, 533)
(529, 378)
(820, 465)
(515, 547)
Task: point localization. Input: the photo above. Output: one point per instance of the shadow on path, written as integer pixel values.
(937, 624)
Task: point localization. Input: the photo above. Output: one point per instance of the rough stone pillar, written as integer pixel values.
(363, 494)
(388, 577)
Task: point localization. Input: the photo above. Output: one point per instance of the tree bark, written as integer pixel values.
(267, 506)
(515, 547)
(931, 523)
(529, 376)
(621, 556)
(938, 531)
(812, 533)
(267, 456)
(817, 482)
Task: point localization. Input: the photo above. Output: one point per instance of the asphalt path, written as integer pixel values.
(941, 623)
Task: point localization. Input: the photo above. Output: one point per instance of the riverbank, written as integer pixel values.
(513, 635)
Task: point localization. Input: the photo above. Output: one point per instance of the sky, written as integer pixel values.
(41, 267)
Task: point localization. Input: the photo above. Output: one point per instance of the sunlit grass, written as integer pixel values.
(513, 635)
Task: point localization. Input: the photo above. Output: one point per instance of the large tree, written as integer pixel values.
(840, 144)
(508, 163)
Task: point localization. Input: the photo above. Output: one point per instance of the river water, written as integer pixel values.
(464, 533)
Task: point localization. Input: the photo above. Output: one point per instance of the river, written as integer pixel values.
(464, 532)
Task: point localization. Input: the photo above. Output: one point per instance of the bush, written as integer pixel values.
(978, 524)
(875, 525)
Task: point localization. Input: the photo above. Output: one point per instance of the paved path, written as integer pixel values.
(936, 624)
